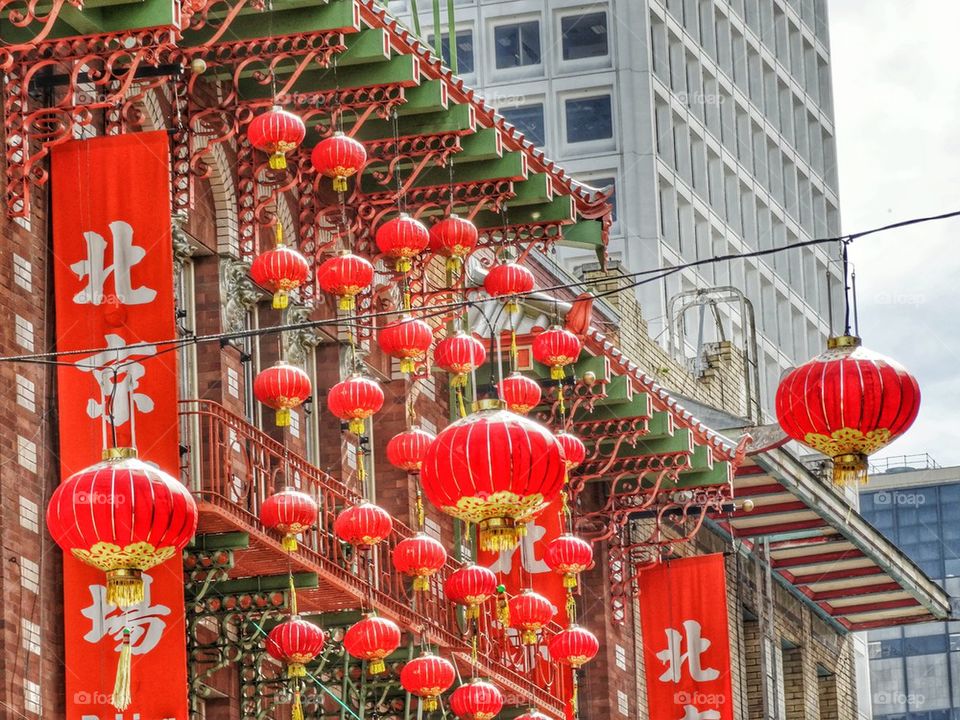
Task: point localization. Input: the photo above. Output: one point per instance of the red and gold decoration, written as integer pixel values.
(556, 348)
(295, 642)
(521, 393)
(529, 613)
(847, 403)
(402, 239)
(496, 469)
(355, 399)
(282, 388)
(339, 158)
(471, 585)
(459, 354)
(406, 449)
(363, 525)
(476, 700)
(454, 238)
(372, 639)
(575, 646)
(427, 677)
(574, 451)
(508, 280)
(345, 276)
(419, 557)
(276, 132)
(289, 512)
(280, 270)
(407, 339)
(569, 556)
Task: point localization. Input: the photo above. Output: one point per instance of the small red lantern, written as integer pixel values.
(408, 339)
(556, 348)
(427, 677)
(354, 400)
(574, 451)
(454, 238)
(574, 646)
(295, 642)
(338, 157)
(289, 512)
(280, 270)
(508, 280)
(521, 393)
(363, 525)
(372, 638)
(282, 387)
(419, 557)
(406, 449)
(276, 132)
(471, 585)
(569, 556)
(345, 275)
(476, 700)
(402, 238)
(529, 613)
(460, 354)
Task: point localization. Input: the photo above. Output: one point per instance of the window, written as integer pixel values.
(584, 36)
(589, 119)
(518, 44)
(464, 50)
(529, 120)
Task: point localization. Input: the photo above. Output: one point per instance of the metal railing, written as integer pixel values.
(903, 463)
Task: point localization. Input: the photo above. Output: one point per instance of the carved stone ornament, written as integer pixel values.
(239, 293)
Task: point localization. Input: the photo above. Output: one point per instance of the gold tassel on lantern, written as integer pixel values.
(454, 263)
(429, 703)
(404, 265)
(346, 303)
(850, 469)
(377, 666)
(340, 184)
(289, 542)
(296, 670)
(121, 687)
(296, 712)
(528, 637)
(283, 417)
(124, 587)
(512, 306)
(357, 426)
(408, 365)
(281, 300)
(421, 583)
(278, 161)
(557, 373)
(497, 535)
(569, 580)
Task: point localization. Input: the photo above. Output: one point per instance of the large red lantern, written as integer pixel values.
(508, 280)
(574, 451)
(427, 677)
(454, 238)
(569, 556)
(354, 400)
(574, 646)
(402, 238)
(345, 276)
(847, 403)
(289, 512)
(407, 449)
(407, 339)
(529, 613)
(280, 270)
(123, 517)
(521, 393)
(556, 348)
(476, 700)
(496, 469)
(363, 525)
(295, 642)
(276, 132)
(282, 387)
(459, 354)
(471, 585)
(338, 157)
(373, 639)
(420, 557)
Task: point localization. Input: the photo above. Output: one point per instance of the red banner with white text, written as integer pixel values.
(686, 640)
(114, 280)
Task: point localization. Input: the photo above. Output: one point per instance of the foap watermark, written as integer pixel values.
(895, 697)
(98, 498)
(911, 299)
(699, 98)
(699, 698)
(82, 697)
(899, 498)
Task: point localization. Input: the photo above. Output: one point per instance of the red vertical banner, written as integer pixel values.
(113, 276)
(686, 639)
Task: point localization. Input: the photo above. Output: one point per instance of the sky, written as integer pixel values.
(897, 107)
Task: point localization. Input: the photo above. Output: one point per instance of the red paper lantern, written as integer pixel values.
(521, 393)
(276, 132)
(282, 387)
(847, 403)
(556, 348)
(295, 642)
(471, 585)
(408, 339)
(494, 468)
(476, 700)
(507, 280)
(280, 271)
(363, 525)
(402, 238)
(574, 646)
(454, 238)
(407, 449)
(419, 557)
(529, 613)
(372, 638)
(123, 517)
(569, 556)
(354, 400)
(427, 677)
(345, 275)
(338, 157)
(289, 512)
(574, 451)
(459, 354)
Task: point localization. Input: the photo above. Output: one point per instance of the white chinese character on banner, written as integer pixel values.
(531, 564)
(96, 271)
(118, 378)
(144, 621)
(674, 658)
(692, 713)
